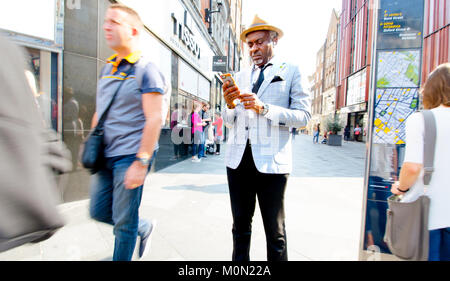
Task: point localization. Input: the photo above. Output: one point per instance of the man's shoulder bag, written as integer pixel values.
(92, 157)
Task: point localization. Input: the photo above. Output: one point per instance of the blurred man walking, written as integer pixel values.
(131, 131)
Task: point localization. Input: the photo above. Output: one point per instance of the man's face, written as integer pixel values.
(260, 46)
(119, 30)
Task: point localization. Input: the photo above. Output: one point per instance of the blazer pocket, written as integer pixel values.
(277, 79)
(278, 87)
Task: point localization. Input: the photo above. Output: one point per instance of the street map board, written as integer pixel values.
(396, 75)
(400, 24)
(397, 94)
(393, 107)
(398, 69)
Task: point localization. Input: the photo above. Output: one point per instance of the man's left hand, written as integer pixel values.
(251, 101)
(135, 175)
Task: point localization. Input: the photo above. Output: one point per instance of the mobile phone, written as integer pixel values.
(228, 77)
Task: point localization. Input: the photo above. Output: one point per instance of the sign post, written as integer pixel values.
(394, 96)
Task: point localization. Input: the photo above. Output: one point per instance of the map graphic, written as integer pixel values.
(398, 69)
(393, 107)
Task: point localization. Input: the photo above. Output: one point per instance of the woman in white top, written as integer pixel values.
(436, 96)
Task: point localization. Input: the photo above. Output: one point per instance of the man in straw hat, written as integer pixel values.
(265, 103)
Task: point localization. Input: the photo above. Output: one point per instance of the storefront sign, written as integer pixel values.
(220, 63)
(185, 35)
(356, 91)
(354, 108)
(171, 22)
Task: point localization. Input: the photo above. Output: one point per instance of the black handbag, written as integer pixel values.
(92, 157)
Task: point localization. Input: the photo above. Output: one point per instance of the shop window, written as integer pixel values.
(43, 83)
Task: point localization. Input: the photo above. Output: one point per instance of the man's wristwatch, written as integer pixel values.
(265, 109)
(143, 158)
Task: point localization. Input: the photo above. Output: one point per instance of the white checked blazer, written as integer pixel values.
(270, 137)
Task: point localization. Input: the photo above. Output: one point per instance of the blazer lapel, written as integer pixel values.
(268, 78)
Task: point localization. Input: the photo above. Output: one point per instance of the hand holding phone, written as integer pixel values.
(228, 77)
(231, 92)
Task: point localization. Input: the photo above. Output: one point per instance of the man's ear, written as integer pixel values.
(275, 41)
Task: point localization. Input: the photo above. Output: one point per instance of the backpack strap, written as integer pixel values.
(429, 145)
(102, 118)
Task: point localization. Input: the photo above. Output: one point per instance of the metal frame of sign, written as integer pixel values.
(374, 253)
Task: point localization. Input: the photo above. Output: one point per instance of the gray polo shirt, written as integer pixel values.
(125, 119)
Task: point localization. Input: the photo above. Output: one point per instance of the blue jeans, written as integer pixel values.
(439, 245)
(201, 147)
(316, 138)
(113, 204)
(195, 149)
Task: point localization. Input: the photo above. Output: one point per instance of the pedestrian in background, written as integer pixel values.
(131, 131)
(218, 138)
(294, 133)
(325, 137)
(316, 133)
(197, 132)
(206, 119)
(176, 129)
(357, 132)
(347, 133)
(436, 96)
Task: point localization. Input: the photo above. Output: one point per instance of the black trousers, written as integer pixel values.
(245, 184)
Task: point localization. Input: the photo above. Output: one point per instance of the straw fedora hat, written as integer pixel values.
(259, 24)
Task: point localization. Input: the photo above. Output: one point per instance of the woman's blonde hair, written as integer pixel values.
(436, 90)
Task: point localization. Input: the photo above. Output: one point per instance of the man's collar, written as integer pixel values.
(131, 58)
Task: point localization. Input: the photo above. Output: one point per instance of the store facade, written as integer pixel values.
(38, 28)
(42, 44)
(177, 44)
(66, 50)
(355, 111)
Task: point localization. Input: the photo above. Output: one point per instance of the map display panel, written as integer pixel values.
(398, 69)
(392, 109)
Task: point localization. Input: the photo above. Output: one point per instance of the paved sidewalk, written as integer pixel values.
(191, 204)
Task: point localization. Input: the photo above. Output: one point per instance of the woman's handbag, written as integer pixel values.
(92, 157)
(407, 234)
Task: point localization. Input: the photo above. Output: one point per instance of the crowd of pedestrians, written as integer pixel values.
(196, 133)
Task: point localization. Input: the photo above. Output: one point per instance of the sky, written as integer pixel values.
(304, 23)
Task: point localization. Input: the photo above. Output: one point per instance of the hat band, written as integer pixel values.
(258, 24)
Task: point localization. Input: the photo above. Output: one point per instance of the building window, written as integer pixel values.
(42, 82)
(197, 4)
